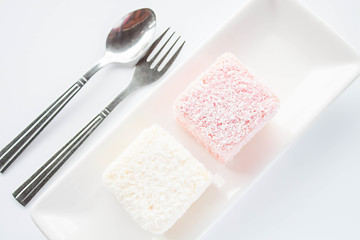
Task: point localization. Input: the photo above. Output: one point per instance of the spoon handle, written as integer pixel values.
(18, 145)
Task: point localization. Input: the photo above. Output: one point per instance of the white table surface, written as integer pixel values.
(312, 192)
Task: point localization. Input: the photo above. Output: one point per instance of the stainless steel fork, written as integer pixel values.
(144, 74)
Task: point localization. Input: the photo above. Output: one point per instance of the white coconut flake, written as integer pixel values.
(156, 179)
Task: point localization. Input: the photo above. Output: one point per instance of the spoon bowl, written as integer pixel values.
(130, 36)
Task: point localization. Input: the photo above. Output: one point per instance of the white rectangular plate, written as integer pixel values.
(303, 61)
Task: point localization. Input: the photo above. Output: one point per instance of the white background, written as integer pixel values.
(312, 192)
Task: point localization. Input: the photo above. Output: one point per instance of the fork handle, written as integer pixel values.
(18, 145)
(31, 186)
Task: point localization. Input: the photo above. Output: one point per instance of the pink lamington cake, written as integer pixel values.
(225, 107)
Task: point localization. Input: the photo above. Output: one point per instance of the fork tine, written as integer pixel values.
(172, 59)
(152, 47)
(162, 47)
(167, 53)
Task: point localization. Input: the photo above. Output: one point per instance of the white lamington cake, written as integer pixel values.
(156, 179)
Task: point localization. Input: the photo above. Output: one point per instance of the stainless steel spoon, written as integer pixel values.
(126, 42)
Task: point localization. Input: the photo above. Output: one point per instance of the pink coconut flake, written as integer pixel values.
(225, 107)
